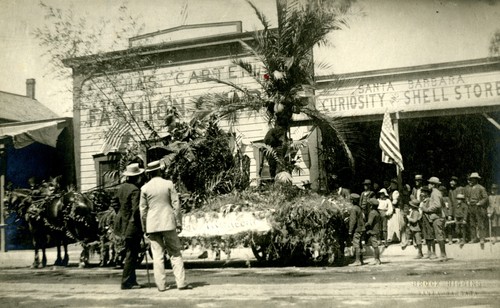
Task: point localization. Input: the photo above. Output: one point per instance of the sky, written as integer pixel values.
(381, 34)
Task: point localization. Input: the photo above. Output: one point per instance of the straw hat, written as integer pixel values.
(152, 166)
(474, 175)
(434, 180)
(383, 191)
(133, 170)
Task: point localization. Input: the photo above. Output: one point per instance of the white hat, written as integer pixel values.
(152, 166)
(133, 170)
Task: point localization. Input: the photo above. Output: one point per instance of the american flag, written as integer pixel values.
(389, 143)
(114, 136)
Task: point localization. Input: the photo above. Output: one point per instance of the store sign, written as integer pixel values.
(147, 95)
(220, 224)
(447, 92)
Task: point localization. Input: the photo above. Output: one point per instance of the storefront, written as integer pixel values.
(447, 115)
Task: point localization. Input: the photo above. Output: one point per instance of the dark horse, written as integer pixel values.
(57, 218)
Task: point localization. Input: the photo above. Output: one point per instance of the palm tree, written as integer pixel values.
(287, 87)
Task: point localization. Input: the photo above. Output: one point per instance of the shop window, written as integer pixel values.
(107, 168)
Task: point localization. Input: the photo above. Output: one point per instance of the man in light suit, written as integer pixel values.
(161, 221)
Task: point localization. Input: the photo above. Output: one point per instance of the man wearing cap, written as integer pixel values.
(161, 220)
(434, 209)
(356, 228)
(365, 196)
(477, 201)
(494, 211)
(415, 192)
(372, 227)
(460, 213)
(426, 223)
(128, 196)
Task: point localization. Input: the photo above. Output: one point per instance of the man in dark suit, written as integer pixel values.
(128, 196)
(161, 220)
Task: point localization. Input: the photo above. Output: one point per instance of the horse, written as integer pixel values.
(56, 217)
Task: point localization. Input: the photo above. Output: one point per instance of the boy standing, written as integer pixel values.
(414, 218)
(373, 229)
(356, 228)
(494, 212)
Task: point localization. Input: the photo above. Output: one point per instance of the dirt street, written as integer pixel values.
(470, 278)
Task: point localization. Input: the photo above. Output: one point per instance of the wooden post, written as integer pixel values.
(3, 163)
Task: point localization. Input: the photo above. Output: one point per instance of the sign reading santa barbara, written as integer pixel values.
(446, 92)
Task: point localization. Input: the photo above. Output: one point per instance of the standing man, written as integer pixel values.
(435, 209)
(477, 201)
(455, 189)
(161, 220)
(356, 228)
(366, 195)
(128, 196)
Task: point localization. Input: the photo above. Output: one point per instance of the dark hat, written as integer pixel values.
(373, 201)
(414, 203)
(367, 182)
(442, 188)
(454, 178)
(394, 181)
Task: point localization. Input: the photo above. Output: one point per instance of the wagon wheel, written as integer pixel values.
(260, 246)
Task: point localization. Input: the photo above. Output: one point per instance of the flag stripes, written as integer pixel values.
(389, 143)
(114, 136)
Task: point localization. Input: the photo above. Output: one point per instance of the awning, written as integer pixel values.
(25, 134)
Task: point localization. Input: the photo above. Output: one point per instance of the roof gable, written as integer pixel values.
(14, 107)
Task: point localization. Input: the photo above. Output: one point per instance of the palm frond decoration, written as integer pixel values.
(283, 69)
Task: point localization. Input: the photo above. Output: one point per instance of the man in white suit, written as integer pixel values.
(161, 221)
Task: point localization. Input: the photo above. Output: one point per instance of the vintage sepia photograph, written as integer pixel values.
(249, 153)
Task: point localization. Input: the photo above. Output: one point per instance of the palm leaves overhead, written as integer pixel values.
(285, 54)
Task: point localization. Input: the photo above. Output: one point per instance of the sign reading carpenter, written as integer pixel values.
(456, 91)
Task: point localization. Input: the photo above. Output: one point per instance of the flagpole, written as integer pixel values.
(398, 170)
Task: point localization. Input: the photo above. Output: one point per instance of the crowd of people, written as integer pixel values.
(427, 214)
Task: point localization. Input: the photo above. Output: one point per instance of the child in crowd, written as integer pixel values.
(414, 218)
(494, 212)
(448, 213)
(385, 209)
(461, 212)
(372, 227)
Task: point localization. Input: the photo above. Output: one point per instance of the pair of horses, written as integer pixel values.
(58, 218)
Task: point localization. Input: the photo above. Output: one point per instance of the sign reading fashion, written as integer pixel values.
(456, 91)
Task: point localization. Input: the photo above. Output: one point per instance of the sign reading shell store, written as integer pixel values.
(447, 92)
